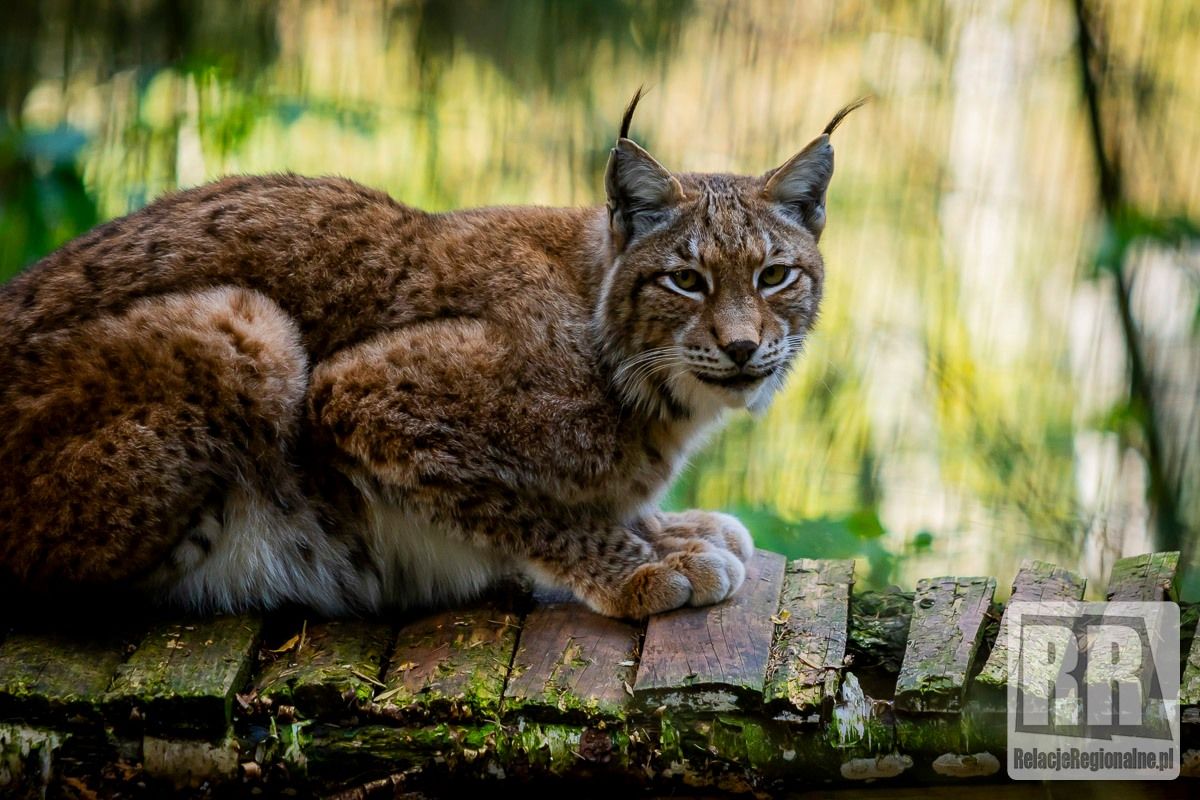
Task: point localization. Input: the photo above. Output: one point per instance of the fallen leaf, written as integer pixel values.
(627, 663)
(628, 688)
(367, 678)
(388, 695)
(288, 645)
(406, 666)
(80, 788)
(782, 617)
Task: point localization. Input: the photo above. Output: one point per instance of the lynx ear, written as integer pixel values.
(799, 186)
(640, 190)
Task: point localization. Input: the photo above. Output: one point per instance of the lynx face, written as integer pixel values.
(716, 279)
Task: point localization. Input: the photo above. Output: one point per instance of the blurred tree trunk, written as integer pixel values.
(1118, 218)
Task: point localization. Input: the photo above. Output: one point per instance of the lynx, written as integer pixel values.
(275, 390)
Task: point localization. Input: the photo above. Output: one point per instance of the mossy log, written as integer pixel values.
(797, 681)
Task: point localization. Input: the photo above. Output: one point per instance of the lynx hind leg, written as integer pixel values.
(121, 431)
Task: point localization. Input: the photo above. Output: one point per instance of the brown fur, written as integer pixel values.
(216, 397)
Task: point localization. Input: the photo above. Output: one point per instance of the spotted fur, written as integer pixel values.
(279, 389)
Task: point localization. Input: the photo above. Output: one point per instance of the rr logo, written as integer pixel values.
(1090, 683)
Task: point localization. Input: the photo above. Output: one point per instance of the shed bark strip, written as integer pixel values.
(572, 664)
(810, 642)
(943, 639)
(714, 658)
(1189, 685)
(1036, 581)
(453, 663)
(183, 676)
(57, 674)
(1151, 576)
(333, 668)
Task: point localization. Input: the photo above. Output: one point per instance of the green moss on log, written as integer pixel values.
(183, 676)
(57, 676)
(328, 670)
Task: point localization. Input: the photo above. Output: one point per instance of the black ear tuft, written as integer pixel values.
(641, 192)
(629, 109)
(799, 186)
(841, 115)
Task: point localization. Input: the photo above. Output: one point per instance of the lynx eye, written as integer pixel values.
(687, 280)
(773, 275)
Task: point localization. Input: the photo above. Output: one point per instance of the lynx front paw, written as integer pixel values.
(669, 532)
(698, 574)
(700, 557)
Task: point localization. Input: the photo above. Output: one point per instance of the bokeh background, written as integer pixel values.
(1008, 363)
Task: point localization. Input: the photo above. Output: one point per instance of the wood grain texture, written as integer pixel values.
(1151, 576)
(572, 664)
(454, 663)
(1189, 685)
(183, 675)
(714, 658)
(810, 642)
(333, 668)
(943, 639)
(57, 675)
(1036, 581)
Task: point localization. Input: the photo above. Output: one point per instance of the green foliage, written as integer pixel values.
(856, 535)
(43, 201)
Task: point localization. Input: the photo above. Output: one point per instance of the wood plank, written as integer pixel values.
(1151, 576)
(1036, 581)
(572, 664)
(453, 664)
(57, 675)
(330, 668)
(810, 644)
(714, 658)
(183, 675)
(943, 638)
(1189, 685)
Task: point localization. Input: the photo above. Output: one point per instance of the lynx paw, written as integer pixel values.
(698, 575)
(669, 532)
(700, 562)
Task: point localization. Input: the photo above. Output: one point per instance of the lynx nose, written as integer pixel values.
(740, 351)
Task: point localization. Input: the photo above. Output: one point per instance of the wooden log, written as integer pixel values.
(1151, 576)
(1189, 693)
(453, 664)
(57, 676)
(985, 717)
(944, 636)
(28, 759)
(1189, 685)
(572, 664)
(465, 753)
(714, 658)
(328, 669)
(810, 643)
(183, 676)
(860, 727)
(1037, 581)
